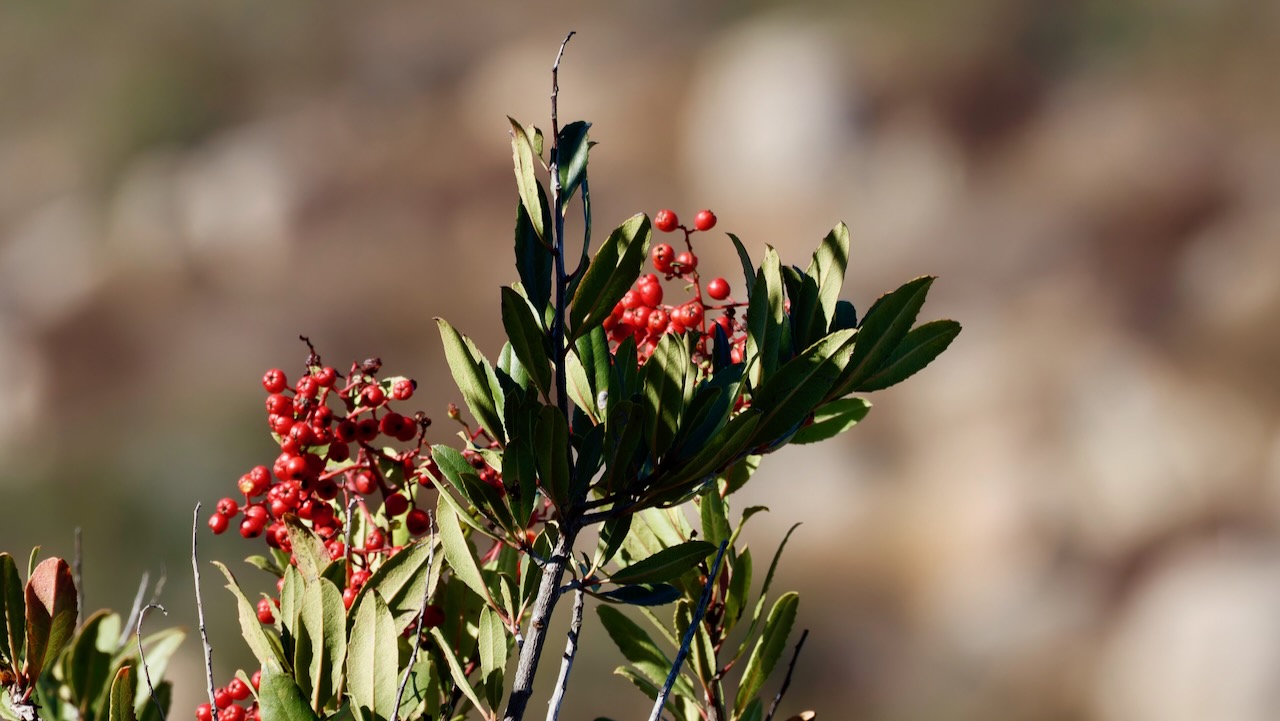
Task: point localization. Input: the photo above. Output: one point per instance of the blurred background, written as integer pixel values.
(1074, 515)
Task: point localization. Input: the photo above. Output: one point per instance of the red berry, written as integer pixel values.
(631, 300)
(281, 424)
(302, 435)
(256, 513)
(417, 522)
(325, 377)
(279, 404)
(718, 288)
(275, 381)
(204, 712)
(256, 679)
(651, 294)
(372, 395)
(359, 577)
(231, 713)
(432, 616)
(735, 355)
(408, 431)
(395, 504)
(666, 221)
(250, 528)
(222, 699)
(391, 424)
(237, 688)
(339, 452)
(218, 524)
(375, 540)
(296, 469)
(687, 262)
(265, 615)
(658, 321)
(705, 220)
(663, 255)
(228, 507)
(367, 429)
(364, 482)
(403, 390)
(307, 387)
(349, 597)
(337, 549)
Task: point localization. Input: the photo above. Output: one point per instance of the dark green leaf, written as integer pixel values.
(883, 328)
(528, 342)
(735, 601)
(917, 350)
(51, 614)
(846, 316)
(123, 689)
(526, 177)
(456, 672)
(831, 419)
(280, 699)
(534, 260)
(764, 319)
(666, 564)
(739, 473)
(88, 663)
(640, 650)
(13, 608)
(641, 594)
(807, 323)
(520, 474)
(572, 159)
(458, 551)
(768, 649)
(614, 268)
(827, 270)
(748, 271)
(715, 516)
(475, 378)
(664, 378)
(372, 659)
(612, 534)
(552, 442)
(791, 394)
(156, 711)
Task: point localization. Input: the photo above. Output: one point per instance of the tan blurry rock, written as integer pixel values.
(51, 262)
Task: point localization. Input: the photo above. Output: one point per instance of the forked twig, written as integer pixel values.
(204, 634)
(142, 658)
(570, 651)
(422, 615)
(786, 682)
(688, 634)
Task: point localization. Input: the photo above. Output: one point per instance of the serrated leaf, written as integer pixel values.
(280, 699)
(640, 650)
(748, 270)
(526, 177)
(312, 557)
(768, 649)
(572, 160)
(663, 383)
(528, 342)
(827, 269)
(764, 318)
(791, 394)
(265, 648)
(831, 419)
(714, 514)
(924, 343)
(611, 272)
(401, 579)
(456, 672)
(372, 659)
(123, 689)
(322, 644)
(52, 612)
(458, 551)
(883, 328)
(13, 606)
(552, 443)
(665, 565)
(474, 376)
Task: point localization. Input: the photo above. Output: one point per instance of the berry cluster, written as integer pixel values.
(226, 698)
(642, 315)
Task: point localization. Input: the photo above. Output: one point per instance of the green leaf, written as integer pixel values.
(458, 551)
(641, 594)
(520, 472)
(475, 378)
(528, 341)
(372, 659)
(265, 648)
(832, 419)
(665, 565)
(702, 653)
(308, 548)
(153, 710)
(846, 316)
(612, 533)
(917, 350)
(456, 672)
(748, 271)
(764, 590)
(827, 269)
(13, 612)
(160, 648)
(714, 515)
(625, 435)
(805, 313)
(280, 699)
(791, 394)
(123, 689)
(755, 712)
(552, 441)
(614, 268)
(401, 580)
(572, 159)
(640, 650)
(324, 632)
(51, 614)
(664, 379)
(764, 319)
(739, 473)
(534, 260)
(768, 649)
(289, 618)
(493, 654)
(526, 178)
(88, 663)
(730, 443)
(883, 328)
(262, 563)
(735, 601)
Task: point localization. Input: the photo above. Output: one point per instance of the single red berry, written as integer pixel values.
(692, 313)
(372, 395)
(705, 220)
(408, 431)
(231, 713)
(718, 288)
(228, 507)
(222, 699)
(364, 482)
(666, 220)
(275, 381)
(204, 712)
(250, 528)
(687, 262)
(375, 540)
(395, 505)
(339, 452)
(403, 390)
(265, 615)
(307, 387)
(391, 424)
(296, 469)
(302, 435)
(663, 255)
(238, 689)
(280, 424)
(279, 404)
(658, 321)
(218, 524)
(651, 294)
(337, 549)
(257, 513)
(735, 355)
(349, 597)
(417, 522)
(725, 323)
(325, 377)
(367, 429)
(256, 679)
(345, 431)
(432, 616)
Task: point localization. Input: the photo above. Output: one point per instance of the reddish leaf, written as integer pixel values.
(51, 613)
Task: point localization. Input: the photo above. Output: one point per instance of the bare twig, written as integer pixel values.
(135, 610)
(77, 576)
(570, 651)
(164, 577)
(142, 658)
(688, 635)
(543, 605)
(422, 614)
(786, 682)
(204, 634)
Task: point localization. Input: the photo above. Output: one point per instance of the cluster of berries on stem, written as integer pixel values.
(226, 700)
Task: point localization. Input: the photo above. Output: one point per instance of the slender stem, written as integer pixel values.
(570, 651)
(136, 610)
(688, 635)
(422, 614)
(786, 682)
(204, 634)
(557, 204)
(543, 605)
(77, 575)
(142, 658)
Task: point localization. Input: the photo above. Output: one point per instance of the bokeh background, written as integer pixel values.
(1075, 515)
